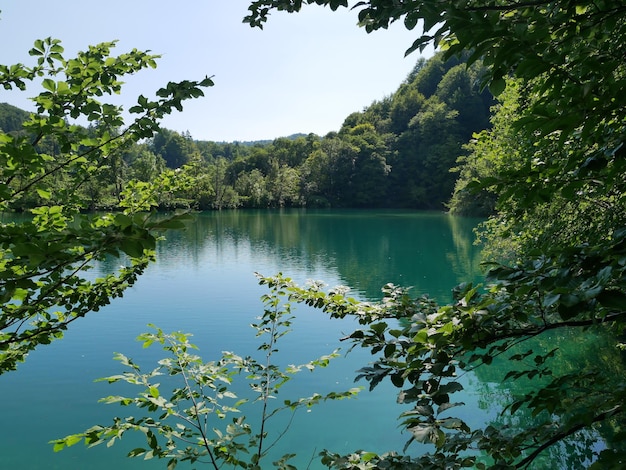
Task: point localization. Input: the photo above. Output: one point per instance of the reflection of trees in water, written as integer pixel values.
(594, 352)
(430, 251)
(275, 234)
(466, 257)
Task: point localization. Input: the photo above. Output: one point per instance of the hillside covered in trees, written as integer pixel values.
(397, 152)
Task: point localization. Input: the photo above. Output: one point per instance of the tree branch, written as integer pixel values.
(510, 7)
(530, 332)
(560, 436)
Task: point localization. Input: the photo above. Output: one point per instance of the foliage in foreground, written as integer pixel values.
(555, 173)
(202, 418)
(424, 350)
(43, 258)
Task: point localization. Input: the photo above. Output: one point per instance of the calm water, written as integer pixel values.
(203, 283)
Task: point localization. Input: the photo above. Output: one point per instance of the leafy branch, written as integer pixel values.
(42, 259)
(207, 398)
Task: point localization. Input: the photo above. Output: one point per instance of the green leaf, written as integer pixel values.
(497, 86)
(410, 21)
(397, 380)
(424, 433)
(132, 247)
(453, 423)
(450, 387)
(68, 441)
(49, 84)
(550, 299)
(152, 440)
(43, 194)
(446, 406)
(379, 328)
(390, 349)
(612, 299)
(123, 220)
(136, 452)
(424, 410)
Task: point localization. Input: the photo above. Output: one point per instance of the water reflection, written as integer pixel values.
(430, 251)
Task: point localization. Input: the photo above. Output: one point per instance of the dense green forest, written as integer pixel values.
(397, 152)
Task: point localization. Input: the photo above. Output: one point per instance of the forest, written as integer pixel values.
(397, 152)
(545, 160)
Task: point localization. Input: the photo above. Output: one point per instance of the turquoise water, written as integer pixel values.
(203, 283)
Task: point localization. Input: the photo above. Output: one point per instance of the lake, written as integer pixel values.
(203, 283)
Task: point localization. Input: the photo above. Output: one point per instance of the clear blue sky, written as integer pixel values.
(304, 72)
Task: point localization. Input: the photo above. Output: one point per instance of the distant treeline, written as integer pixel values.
(397, 152)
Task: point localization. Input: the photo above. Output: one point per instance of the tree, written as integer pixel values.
(406, 103)
(369, 179)
(251, 188)
(173, 147)
(144, 165)
(283, 185)
(459, 91)
(425, 123)
(11, 118)
(567, 58)
(44, 286)
(430, 146)
(491, 151)
(340, 156)
(224, 196)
